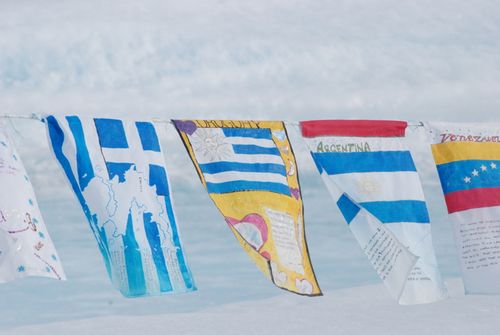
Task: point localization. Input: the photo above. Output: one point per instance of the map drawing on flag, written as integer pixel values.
(116, 169)
(467, 158)
(250, 173)
(26, 248)
(367, 166)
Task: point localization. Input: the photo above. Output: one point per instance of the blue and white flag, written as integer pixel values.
(116, 169)
(369, 162)
(240, 159)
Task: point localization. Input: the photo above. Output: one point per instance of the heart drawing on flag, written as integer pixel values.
(188, 127)
(252, 228)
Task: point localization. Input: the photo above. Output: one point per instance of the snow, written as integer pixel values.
(271, 59)
(360, 310)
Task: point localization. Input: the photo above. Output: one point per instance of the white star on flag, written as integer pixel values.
(483, 168)
(475, 173)
(467, 179)
(493, 165)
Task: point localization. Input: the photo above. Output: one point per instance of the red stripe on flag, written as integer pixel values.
(360, 128)
(476, 198)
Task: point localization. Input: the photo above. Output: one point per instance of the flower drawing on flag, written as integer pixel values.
(210, 145)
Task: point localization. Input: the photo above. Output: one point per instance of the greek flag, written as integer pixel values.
(371, 163)
(239, 159)
(116, 169)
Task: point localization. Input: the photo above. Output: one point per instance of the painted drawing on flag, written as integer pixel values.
(467, 158)
(26, 248)
(249, 171)
(369, 163)
(117, 171)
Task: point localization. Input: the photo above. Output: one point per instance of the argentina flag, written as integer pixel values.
(117, 172)
(371, 163)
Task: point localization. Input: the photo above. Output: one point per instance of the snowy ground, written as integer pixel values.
(363, 310)
(271, 59)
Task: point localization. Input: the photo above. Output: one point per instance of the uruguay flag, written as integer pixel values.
(370, 162)
(116, 169)
(467, 158)
(250, 172)
(239, 159)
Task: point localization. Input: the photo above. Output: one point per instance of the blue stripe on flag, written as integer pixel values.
(133, 262)
(248, 132)
(102, 242)
(111, 133)
(458, 176)
(250, 149)
(398, 211)
(218, 167)
(84, 165)
(153, 236)
(158, 177)
(147, 134)
(186, 274)
(244, 185)
(317, 163)
(377, 161)
(118, 169)
(348, 208)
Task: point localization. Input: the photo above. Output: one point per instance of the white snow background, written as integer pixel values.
(292, 60)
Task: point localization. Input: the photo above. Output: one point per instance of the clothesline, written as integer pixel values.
(39, 117)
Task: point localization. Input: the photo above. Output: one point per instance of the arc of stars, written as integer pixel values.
(475, 172)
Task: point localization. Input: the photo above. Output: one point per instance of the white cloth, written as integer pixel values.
(26, 248)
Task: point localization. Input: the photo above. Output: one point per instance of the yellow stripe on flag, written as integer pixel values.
(458, 151)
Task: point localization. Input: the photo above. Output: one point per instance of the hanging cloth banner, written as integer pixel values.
(467, 157)
(116, 169)
(368, 167)
(250, 172)
(26, 248)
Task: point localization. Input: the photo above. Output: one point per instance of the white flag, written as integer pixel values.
(25, 245)
(467, 158)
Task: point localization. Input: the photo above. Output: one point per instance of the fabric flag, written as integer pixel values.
(116, 169)
(467, 157)
(367, 166)
(250, 172)
(26, 248)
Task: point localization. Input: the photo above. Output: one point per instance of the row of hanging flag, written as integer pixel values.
(117, 171)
